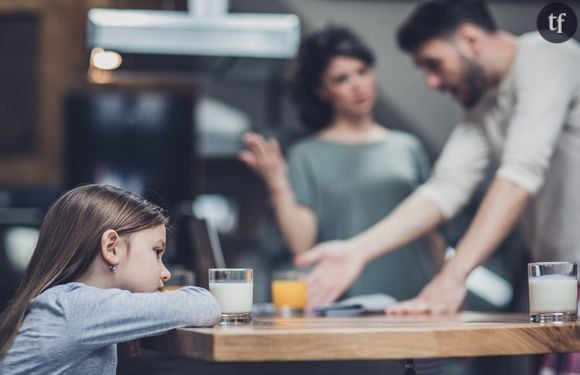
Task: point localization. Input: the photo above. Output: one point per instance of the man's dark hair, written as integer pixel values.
(441, 18)
(316, 52)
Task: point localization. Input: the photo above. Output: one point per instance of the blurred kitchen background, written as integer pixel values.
(88, 93)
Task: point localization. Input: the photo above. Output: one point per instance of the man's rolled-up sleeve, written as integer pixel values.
(545, 87)
(459, 169)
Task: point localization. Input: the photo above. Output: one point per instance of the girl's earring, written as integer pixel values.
(112, 268)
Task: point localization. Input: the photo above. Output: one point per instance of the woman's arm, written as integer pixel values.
(297, 222)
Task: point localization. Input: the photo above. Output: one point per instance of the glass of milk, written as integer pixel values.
(233, 289)
(553, 288)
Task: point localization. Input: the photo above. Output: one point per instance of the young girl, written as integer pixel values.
(94, 280)
(350, 172)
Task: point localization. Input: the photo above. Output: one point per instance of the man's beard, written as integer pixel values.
(474, 84)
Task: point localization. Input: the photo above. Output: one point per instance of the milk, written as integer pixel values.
(553, 294)
(233, 297)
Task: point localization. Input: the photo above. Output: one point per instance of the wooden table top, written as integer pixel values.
(467, 334)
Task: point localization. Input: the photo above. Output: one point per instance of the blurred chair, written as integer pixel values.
(206, 248)
(197, 243)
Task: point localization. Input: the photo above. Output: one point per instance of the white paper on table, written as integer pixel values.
(377, 302)
(368, 303)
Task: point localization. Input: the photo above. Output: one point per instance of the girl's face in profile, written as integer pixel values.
(142, 268)
(348, 84)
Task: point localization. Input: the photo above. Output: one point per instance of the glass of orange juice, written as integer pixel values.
(289, 292)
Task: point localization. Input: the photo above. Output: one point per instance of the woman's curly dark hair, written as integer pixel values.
(316, 52)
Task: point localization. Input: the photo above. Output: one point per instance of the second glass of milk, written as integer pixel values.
(553, 288)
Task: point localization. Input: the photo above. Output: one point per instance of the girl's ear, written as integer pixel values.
(110, 242)
(471, 38)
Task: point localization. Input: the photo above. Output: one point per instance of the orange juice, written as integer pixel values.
(289, 294)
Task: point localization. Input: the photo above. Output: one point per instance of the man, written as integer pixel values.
(521, 97)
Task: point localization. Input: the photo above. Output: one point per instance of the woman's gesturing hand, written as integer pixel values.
(265, 158)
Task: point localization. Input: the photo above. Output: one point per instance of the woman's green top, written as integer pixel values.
(350, 187)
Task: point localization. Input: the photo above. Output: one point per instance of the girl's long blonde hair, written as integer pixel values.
(69, 242)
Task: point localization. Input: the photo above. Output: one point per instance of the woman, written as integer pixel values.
(351, 171)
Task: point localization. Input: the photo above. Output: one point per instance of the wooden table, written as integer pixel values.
(467, 334)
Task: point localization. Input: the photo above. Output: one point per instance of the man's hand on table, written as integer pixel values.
(443, 295)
